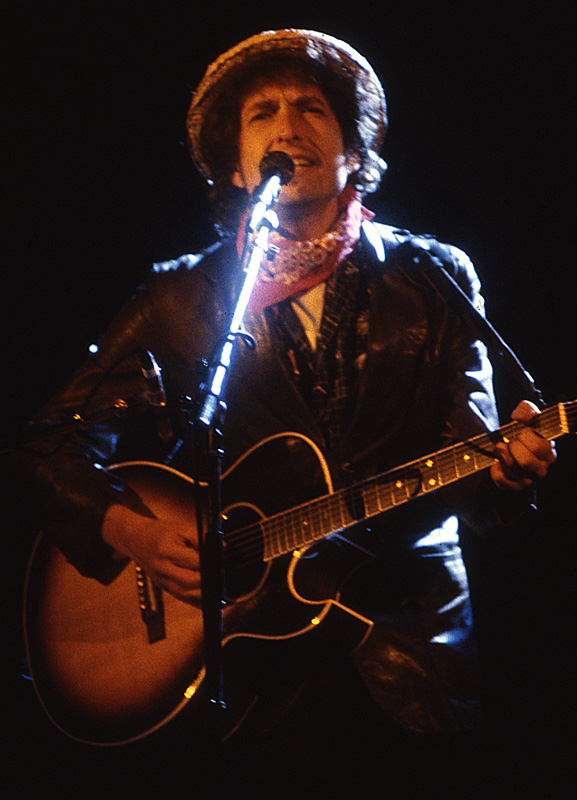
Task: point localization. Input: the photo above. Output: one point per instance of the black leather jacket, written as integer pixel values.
(424, 383)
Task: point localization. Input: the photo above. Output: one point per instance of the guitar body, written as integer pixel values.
(94, 669)
(108, 672)
(103, 678)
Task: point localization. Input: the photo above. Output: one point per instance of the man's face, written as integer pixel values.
(295, 117)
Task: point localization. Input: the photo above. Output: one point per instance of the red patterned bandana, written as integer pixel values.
(299, 266)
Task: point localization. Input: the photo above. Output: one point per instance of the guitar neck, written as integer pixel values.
(312, 521)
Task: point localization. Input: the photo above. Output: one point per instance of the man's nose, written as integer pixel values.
(288, 123)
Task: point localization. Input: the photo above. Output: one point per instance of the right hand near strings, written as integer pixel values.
(167, 550)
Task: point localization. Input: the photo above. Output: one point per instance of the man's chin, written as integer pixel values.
(301, 195)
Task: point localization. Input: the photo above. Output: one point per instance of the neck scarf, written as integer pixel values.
(299, 266)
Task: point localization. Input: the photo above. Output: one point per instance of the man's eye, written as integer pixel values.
(260, 116)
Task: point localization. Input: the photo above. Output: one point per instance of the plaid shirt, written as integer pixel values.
(326, 376)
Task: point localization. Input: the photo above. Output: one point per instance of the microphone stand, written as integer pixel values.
(206, 416)
(209, 411)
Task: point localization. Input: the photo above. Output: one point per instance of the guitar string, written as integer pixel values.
(287, 526)
(332, 513)
(289, 529)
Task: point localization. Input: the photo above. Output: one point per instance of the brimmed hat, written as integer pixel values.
(339, 57)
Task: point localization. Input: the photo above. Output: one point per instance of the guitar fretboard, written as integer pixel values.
(303, 525)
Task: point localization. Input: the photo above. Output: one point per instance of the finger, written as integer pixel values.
(183, 556)
(501, 477)
(525, 411)
(191, 596)
(505, 456)
(516, 469)
(185, 580)
(541, 448)
(184, 584)
(526, 462)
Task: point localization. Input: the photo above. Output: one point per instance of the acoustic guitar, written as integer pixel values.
(113, 663)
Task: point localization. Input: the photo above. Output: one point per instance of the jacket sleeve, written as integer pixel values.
(69, 491)
(63, 476)
(479, 502)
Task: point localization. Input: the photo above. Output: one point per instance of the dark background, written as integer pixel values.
(480, 152)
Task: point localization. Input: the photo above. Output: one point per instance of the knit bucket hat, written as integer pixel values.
(309, 46)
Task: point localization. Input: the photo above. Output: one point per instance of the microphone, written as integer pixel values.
(277, 164)
(155, 395)
(276, 170)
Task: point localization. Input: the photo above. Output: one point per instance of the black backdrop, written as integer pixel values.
(480, 152)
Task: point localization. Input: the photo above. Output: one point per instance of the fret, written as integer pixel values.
(345, 516)
(402, 489)
(314, 526)
(476, 456)
(430, 476)
(285, 532)
(330, 513)
(325, 515)
(477, 448)
(271, 531)
(270, 543)
(355, 502)
(446, 466)
(464, 461)
(372, 499)
(554, 421)
(293, 533)
(300, 530)
(292, 529)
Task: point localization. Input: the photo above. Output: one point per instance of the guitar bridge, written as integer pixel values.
(151, 606)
